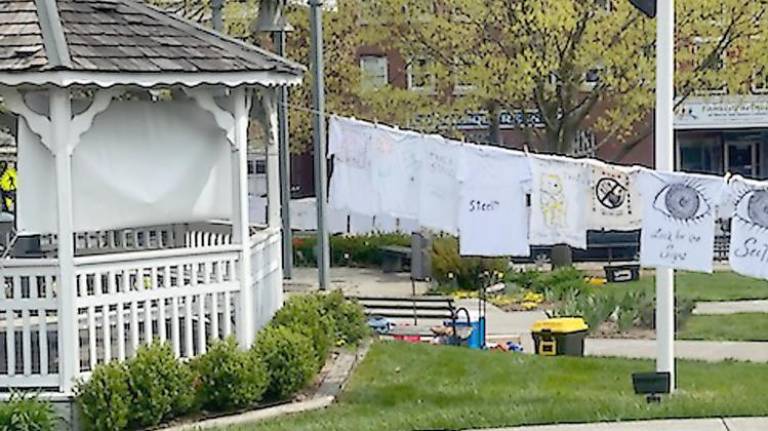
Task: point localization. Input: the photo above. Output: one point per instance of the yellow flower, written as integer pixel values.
(527, 306)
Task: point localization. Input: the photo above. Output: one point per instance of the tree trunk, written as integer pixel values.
(494, 132)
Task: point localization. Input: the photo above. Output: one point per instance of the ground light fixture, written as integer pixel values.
(652, 385)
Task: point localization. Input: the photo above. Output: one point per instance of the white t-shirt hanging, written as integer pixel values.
(678, 229)
(615, 203)
(559, 197)
(439, 195)
(351, 187)
(748, 253)
(492, 214)
(395, 158)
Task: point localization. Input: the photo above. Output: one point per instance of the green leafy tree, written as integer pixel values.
(342, 38)
(580, 64)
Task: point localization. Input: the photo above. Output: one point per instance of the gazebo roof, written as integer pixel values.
(109, 42)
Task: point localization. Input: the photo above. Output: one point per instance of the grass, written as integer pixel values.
(720, 286)
(730, 327)
(408, 387)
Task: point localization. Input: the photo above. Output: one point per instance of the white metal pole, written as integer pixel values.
(69, 344)
(665, 135)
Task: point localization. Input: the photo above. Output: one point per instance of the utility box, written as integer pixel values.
(562, 336)
(421, 257)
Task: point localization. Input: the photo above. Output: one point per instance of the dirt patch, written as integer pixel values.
(611, 330)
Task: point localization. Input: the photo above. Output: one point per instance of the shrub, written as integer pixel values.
(448, 268)
(25, 412)
(348, 250)
(305, 315)
(348, 317)
(105, 399)
(289, 359)
(161, 386)
(229, 378)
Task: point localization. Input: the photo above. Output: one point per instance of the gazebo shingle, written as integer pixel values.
(119, 36)
(21, 40)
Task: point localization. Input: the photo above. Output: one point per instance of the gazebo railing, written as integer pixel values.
(28, 317)
(180, 235)
(183, 296)
(187, 297)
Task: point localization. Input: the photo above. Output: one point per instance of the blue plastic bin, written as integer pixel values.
(476, 338)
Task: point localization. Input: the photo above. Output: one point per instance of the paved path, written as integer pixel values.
(734, 424)
(356, 281)
(731, 307)
(711, 351)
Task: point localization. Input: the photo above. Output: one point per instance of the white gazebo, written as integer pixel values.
(132, 221)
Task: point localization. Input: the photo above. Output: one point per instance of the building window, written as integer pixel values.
(375, 71)
(419, 75)
(257, 167)
(700, 153)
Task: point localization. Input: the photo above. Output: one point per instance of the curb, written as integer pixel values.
(333, 383)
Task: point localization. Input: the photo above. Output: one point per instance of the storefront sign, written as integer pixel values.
(481, 121)
(723, 113)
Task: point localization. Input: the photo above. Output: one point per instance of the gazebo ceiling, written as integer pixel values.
(108, 42)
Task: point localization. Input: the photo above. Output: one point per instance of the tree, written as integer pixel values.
(580, 64)
(342, 38)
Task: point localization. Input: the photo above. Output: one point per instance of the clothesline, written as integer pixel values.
(479, 194)
(330, 115)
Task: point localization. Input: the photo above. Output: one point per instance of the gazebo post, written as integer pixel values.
(270, 96)
(240, 230)
(69, 346)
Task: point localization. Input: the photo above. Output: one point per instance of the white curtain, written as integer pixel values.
(141, 163)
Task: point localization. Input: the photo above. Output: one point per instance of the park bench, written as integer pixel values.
(395, 258)
(415, 310)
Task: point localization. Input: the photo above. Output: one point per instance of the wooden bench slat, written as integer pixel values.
(406, 307)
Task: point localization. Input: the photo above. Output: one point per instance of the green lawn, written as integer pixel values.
(405, 387)
(720, 286)
(731, 327)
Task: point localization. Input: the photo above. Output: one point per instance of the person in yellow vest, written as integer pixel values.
(8, 184)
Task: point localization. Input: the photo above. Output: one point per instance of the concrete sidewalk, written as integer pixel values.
(731, 307)
(710, 351)
(356, 281)
(733, 424)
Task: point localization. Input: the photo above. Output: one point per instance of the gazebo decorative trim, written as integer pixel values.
(148, 80)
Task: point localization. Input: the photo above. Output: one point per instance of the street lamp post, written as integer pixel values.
(271, 20)
(321, 169)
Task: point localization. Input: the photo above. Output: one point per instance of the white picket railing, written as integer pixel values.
(187, 297)
(266, 274)
(28, 317)
(145, 238)
(183, 296)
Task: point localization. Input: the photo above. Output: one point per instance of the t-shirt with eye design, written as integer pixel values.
(679, 212)
(748, 201)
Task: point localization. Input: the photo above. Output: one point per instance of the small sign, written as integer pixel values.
(723, 113)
